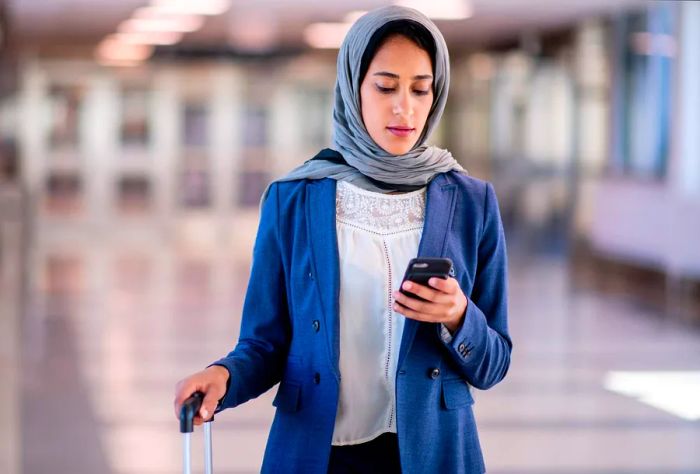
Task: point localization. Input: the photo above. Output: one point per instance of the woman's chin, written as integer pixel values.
(397, 148)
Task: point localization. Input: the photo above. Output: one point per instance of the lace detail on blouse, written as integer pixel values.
(379, 213)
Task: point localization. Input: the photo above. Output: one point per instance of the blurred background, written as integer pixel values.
(136, 138)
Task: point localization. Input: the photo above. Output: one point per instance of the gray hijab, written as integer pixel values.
(366, 161)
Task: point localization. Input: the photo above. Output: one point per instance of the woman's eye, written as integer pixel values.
(388, 90)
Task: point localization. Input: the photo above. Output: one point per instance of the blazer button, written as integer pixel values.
(316, 325)
(461, 347)
(317, 378)
(311, 275)
(435, 373)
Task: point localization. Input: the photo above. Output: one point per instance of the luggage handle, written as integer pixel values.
(189, 410)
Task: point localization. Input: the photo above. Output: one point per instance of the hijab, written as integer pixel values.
(354, 156)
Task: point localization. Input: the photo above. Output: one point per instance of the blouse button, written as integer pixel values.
(435, 373)
(316, 325)
(317, 378)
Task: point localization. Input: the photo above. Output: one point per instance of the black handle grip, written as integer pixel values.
(189, 409)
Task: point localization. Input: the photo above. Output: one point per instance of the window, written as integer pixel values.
(195, 184)
(63, 193)
(134, 121)
(316, 112)
(64, 116)
(194, 125)
(133, 194)
(644, 54)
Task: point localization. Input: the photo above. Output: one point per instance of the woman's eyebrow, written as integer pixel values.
(396, 76)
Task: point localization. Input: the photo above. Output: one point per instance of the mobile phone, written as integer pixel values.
(422, 269)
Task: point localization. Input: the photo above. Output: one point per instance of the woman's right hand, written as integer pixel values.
(210, 381)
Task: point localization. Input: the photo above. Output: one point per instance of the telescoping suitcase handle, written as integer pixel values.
(188, 411)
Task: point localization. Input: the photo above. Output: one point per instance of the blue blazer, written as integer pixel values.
(289, 329)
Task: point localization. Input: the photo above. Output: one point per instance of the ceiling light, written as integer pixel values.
(182, 24)
(440, 9)
(326, 35)
(155, 38)
(192, 7)
(111, 50)
(252, 32)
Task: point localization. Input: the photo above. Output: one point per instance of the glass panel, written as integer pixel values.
(63, 193)
(134, 126)
(194, 125)
(251, 186)
(9, 161)
(64, 116)
(63, 275)
(315, 110)
(195, 182)
(133, 194)
(255, 127)
(646, 51)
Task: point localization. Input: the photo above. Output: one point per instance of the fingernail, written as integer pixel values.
(204, 413)
(407, 285)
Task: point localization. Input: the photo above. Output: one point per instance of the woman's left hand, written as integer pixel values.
(445, 303)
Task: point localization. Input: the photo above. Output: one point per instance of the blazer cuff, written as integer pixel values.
(469, 341)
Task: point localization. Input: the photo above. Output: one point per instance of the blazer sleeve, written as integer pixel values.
(257, 361)
(482, 346)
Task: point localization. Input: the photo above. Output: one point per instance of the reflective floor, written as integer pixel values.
(108, 321)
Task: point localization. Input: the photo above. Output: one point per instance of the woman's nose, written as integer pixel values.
(403, 104)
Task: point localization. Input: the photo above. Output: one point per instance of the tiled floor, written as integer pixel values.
(113, 320)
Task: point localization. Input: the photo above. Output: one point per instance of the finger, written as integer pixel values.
(184, 390)
(444, 285)
(426, 307)
(211, 399)
(433, 298)
(423, 291)
(412, 314)
(411, 303)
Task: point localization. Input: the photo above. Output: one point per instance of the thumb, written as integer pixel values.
(208, 404)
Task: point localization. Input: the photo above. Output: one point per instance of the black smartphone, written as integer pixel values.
(422, 269)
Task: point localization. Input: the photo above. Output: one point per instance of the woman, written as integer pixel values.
(372, 380)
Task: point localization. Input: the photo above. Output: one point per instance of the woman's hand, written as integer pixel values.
(210, 381)
(446, 302)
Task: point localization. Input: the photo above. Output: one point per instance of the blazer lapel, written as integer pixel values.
(439, 209)
(321, 229)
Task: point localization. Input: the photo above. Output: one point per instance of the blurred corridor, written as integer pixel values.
(129, 190)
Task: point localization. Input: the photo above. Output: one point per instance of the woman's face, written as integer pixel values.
(396, 94)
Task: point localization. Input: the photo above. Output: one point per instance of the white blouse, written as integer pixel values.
(377, 236)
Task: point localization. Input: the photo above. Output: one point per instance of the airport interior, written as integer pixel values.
(132, 163)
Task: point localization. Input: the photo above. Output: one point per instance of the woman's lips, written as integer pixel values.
(401, 131)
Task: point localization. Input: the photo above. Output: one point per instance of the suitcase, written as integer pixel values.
(189, 409)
